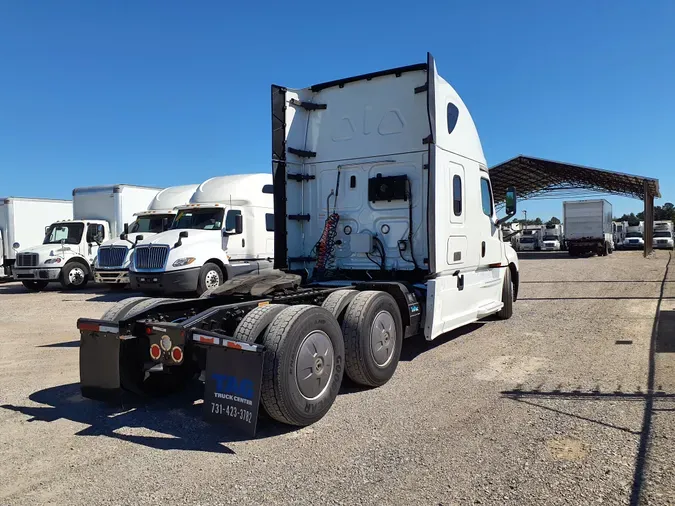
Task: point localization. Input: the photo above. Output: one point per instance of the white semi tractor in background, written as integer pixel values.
(226, 230)
(553, 237)
(663, 235)
(619, 229)
(634, 236)
(69, 248)
(22, 224)
(114, 255)
(588, 227)
(384, 228)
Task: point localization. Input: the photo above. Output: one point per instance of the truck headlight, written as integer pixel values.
(183, 261)
(56, 260)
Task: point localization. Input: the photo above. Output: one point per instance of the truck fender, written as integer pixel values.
(79, 260)
(515, 279)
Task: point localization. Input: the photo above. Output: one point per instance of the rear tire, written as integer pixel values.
(35, 286)
(303, 365)
(373, 334)
(119, 310)
(254, 324)
(507, 297)
(210, 278)
(74, 276)
(337, 303)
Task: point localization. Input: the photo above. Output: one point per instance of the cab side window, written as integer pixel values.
(457, 195)
(95, 233)
(486, 196)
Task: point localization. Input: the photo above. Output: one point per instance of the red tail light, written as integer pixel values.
(177, 355)
(155, 352)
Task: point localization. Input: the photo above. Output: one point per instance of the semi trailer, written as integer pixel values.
(226, 230)
(69, 248)
(114, 256)
(588, 227)
(22, 223)
(384, 228)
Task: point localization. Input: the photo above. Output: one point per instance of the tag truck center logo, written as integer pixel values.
(233, 389)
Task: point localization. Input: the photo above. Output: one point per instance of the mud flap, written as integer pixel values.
(233, 379)
(100, 365)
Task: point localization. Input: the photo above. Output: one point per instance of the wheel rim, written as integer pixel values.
(314, 364)
(76, 276)
(211, 280)
(383, 338)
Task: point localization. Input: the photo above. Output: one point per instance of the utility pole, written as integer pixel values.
(525, 213)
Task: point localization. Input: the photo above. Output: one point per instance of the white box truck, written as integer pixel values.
(23, 222)
(553, 237)
(226, 230)
(113, 258)
(69, 247)
(408, 244)
(634, 236)
(663, 235)
(530, 238)
(588, 227)
(619, 229)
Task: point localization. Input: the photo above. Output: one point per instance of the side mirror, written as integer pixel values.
(123, 237)
(138, 238)
(268, 189)
(238, 224)
(126, 229)
(511, 205)
(181, 235)
(46, 229)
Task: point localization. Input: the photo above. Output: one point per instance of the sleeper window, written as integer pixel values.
(457, 195)
(486, 196)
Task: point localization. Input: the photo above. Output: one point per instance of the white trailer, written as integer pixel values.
(114, 256)
(663, 235)
(22, 223)
(70, 246)
(553, 237)
(226, 230)
(588, 227)
(384, 228)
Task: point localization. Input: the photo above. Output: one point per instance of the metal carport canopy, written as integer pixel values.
(532, 177)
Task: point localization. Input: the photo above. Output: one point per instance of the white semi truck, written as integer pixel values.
(588, 227)
(384, 228)
(69, 248)
(226, 230)
(22, 223)
(553, 237)
(634, 236)
(663, 235)
(114, 256)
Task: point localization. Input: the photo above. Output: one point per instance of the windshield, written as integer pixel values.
(634, 234)
(71, 233)
(527, 239)
(201, 219)
(550, 238)
(662, 234)
(154, 224)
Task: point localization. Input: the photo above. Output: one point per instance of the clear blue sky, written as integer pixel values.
(165, 92)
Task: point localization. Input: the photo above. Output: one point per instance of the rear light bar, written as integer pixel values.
(221, 341)
(98, 327)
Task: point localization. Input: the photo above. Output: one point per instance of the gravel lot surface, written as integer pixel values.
(572, 401)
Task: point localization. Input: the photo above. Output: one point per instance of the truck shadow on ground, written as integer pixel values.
(177, 417)
(414, 346)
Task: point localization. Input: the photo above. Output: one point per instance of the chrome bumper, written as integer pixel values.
(36, 273)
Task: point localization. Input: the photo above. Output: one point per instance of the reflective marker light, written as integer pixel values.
(177, 354)
(165, 342)
(155, 352)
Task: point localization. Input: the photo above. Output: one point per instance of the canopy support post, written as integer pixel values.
(649, 219)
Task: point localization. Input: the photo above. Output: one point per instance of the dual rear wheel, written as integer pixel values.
(309, 348)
